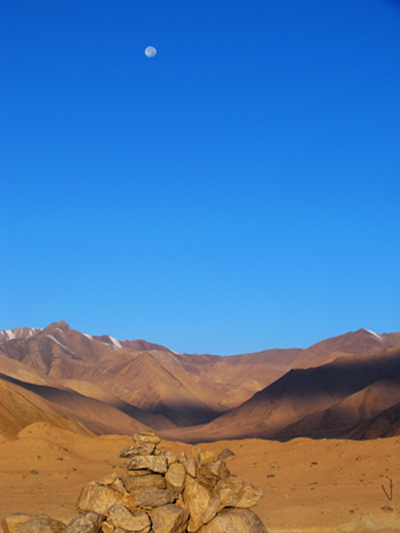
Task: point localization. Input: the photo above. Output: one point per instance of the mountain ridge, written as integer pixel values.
(192, 396)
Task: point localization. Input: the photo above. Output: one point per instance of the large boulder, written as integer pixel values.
(197, 500)
(232, 493)
(234, 521)
(120, 517)
(31, 523)
(98, 499)
(153, 497)
(169, 519)
(236, 493)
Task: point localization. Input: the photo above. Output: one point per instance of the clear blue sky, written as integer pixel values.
(236, 192)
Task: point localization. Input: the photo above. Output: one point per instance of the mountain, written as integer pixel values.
(385, 424)
(115, 386)
(322, 401)
(16, 412)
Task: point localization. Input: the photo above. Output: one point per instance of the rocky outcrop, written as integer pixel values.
(160, 493)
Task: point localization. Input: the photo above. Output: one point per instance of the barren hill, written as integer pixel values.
(320, 401)
(106, 383)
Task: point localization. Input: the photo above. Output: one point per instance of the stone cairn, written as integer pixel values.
(160, 493)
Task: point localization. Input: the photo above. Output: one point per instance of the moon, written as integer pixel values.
(150, 51)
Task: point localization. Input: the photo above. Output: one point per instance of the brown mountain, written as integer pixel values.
(385, 424)
(109, 384)
(310, 402)
(16, 412)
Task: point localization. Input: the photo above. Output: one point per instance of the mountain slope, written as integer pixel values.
(17, 412)
(274, 411)
(255, 394)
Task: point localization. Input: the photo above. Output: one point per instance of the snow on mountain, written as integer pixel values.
(17, 333)
(376, 335)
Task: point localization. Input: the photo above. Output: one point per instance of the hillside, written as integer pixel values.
(117, 386)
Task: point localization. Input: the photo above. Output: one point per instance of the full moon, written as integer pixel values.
(150, 51)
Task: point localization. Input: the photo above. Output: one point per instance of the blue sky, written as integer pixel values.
(239, 191)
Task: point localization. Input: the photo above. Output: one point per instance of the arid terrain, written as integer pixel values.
(310, 485)
(318, 429)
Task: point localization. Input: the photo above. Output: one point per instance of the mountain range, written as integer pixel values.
(345, 386)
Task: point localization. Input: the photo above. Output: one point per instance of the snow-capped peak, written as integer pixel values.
(17, 333)
(376, 335)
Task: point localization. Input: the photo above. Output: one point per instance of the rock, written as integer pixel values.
(171, 457)
(191, 467)
(234, 521)
(197, 499)
(154, 463)
(175, 477)
(182, 457)
(228, 493)
(143, 448)
(153, 497)
(204, 457)
(146, 436)
(226, 454)
(218, 468)
(106, 528)
(138, 473)
(120, 517)
(112, 481)
(169, 519)
(236, 493)
(87, 523)
(31, 523)
(133, 484)
(106, 480)
(98, 499)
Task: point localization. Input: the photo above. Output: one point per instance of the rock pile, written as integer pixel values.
(160, 493)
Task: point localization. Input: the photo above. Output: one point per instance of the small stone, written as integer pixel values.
(169, 519)
(154, 463)
(106, 480)
(31, 523)
(175, 477)
(205, 457)
(143, 448)
(146, 436)
(153, 497)
(218, 468)
(87, 523)
(235, 520)
(118, 485)
(191, 467)
(171, 457)
(107, 528)
(182, 457)
(387, 508)
(226, 454)
(120, 517)
(139, 473)
(133, 484)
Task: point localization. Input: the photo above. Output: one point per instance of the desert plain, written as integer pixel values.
(309, 485)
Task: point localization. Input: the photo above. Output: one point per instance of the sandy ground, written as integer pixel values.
(326, 485)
